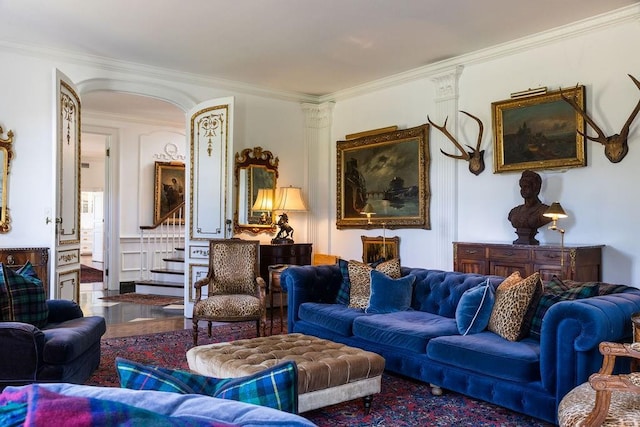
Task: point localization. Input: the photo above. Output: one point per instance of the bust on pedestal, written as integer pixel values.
(528, 217)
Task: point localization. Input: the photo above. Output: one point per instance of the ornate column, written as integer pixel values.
(317, 142)
(444, 179)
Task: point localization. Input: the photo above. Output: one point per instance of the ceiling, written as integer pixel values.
(312, 47)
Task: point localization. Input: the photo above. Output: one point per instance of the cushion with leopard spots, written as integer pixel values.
(360, 277)
(513, 297)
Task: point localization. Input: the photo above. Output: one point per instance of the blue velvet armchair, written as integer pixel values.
(66, 349)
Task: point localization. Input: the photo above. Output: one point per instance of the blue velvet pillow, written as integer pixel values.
(389, 295)
(276, 387)
(474, 309)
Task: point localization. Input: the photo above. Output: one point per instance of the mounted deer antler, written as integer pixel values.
(475, 157)
(615, 146)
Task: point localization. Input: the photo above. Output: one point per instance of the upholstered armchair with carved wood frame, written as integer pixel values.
(607, 399)
(235, 290)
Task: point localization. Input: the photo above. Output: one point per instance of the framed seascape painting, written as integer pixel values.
(539, 132)
(169, 189)
(387, 176)
(377, 248)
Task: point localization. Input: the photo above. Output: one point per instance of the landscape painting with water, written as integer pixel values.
(386, 176)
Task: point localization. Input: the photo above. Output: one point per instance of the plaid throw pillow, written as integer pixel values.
(22, 296)
(551, 297)
(276, 387)
(345, 286)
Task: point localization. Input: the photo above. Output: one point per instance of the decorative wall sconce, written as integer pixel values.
(368, 211)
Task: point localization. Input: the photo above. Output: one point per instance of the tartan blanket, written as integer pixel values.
(37, 406)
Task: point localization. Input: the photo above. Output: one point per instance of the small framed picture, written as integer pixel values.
(380, 248)
(169, 189)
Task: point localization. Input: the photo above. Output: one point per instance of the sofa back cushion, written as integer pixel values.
(439, 292)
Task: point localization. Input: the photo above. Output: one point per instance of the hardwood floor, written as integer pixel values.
(127, 319)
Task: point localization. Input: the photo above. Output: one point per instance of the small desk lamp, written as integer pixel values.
(368, 211)
(556, 212)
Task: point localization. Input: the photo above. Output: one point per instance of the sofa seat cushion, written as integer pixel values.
(336, 317)
(67, 340)
(489, 354)
(406, 330)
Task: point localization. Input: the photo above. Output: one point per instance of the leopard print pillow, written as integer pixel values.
(360, 277)
(513, 297)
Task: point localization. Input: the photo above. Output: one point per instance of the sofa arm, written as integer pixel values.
(308, 283)
(571, 334)
(61, 310)
(20, 352)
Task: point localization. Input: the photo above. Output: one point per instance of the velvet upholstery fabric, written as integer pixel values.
(568, 347)
(409, 330)
(474, 309)
(337, 317)
(488, 352)
(388, 294)
(67, 349)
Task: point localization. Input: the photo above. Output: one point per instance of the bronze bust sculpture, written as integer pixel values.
(528, 217)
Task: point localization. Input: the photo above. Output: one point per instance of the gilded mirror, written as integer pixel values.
(5, 158)
(256, 175)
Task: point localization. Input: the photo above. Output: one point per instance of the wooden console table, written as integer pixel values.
(39, 257)
(580, 263)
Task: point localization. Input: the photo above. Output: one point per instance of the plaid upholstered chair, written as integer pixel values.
(235, 291)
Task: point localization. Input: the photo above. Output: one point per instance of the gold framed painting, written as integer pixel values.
(538, 132)
(377, 248)
(387, 176)
(168, 190)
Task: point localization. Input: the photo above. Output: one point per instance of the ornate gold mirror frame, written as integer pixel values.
(5, 159)
(256, 175)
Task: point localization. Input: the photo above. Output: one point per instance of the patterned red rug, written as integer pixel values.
(402, 402)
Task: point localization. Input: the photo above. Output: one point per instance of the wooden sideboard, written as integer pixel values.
(580, 263)
(295, 254)
(39, 257)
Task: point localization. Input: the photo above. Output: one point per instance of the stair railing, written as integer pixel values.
(161, 240)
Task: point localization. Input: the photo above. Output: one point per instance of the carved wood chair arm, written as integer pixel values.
(610, 350)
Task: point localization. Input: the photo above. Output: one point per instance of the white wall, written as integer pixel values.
(27, 87)
(601, 199)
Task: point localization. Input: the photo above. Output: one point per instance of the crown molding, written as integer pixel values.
(589, 25)
(164, 74)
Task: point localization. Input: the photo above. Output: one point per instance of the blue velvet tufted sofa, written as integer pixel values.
(529, 376)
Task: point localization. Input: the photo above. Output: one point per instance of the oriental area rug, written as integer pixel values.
(402, 401)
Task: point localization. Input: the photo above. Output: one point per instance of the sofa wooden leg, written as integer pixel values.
(367, 404)
(435, 390)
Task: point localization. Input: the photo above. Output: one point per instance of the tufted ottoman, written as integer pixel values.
(328, 372)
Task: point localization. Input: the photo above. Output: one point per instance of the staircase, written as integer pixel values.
(162, 256)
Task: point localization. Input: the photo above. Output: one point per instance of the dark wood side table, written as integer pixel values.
(293, 254)
(276, 288)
